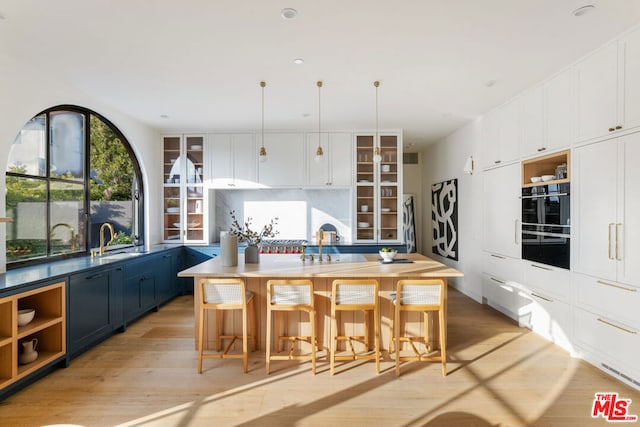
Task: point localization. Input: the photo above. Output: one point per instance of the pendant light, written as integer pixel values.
(376, 152)
(319, 152)
(263, 152)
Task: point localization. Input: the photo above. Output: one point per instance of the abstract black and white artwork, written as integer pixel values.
(444, 218)
(409, 224)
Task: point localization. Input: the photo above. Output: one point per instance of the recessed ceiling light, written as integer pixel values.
(288, 13)
(164, 116)
(305, 115)
(583, 10)
(490, 83)
(298, 61)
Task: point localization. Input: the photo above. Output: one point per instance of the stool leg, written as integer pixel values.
(200, 340)
(219, 329)
(312, 319)
(376, 338)
(277, 331)
(268, 342)
(365, 313)
(254, 324)
(391, 320)
(245, 350)
(443, 343)
(333, 335)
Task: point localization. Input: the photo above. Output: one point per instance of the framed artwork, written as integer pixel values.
(409, 223)
(444, 218)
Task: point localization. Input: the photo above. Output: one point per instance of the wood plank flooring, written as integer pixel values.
(499, 375)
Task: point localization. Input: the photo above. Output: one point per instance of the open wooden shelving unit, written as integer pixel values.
(48, 326)
(545, 165)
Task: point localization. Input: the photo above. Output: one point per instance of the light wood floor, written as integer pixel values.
(499, 375)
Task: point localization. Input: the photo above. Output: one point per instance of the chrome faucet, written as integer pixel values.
(111, 230)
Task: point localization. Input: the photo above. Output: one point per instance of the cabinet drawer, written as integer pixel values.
(501, 267)
(546, 316)
(499, 294)
(608, 297)
(551, 280)
(619, 342)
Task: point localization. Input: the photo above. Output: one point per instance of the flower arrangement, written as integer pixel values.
(246, 234)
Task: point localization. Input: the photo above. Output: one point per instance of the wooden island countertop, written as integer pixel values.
(341, 266)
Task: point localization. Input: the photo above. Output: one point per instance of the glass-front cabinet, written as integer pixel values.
(378, 191)
(184, 198)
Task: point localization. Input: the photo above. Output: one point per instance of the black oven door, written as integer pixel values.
(546, 204)
(547, 244)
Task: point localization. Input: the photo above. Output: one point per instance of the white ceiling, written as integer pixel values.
(200, 61)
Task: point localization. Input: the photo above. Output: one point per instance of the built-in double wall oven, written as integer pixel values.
(546, 224)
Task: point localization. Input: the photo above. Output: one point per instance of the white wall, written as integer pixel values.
(412, 183)
(443, 161)
(26, 91)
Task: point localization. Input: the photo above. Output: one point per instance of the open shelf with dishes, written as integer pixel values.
(32, 331)
(550, 169)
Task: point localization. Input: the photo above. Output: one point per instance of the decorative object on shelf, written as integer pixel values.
(469, 165)
(29, 353)
(198, 206)
(319, 152)
(25, 316)
(263, 151)
(376, 152)
(253, 238)
(444, 218)
(229, 248)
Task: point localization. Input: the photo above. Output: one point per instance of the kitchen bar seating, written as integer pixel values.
(221, 295)
(355, 295)
(290, 296)
(425, 296)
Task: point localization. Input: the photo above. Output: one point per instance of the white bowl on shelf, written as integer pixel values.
(173, 210)
(536, 179)
(546, 178)
(363, 224)
(196, 147)
(26, 316)
(387, 256)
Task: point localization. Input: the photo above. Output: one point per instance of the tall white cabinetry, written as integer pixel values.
(285, 165)
(501, 135)
(335, 169)
(501, 201)
(608, 89)
(378, 189)
(184, 198)
(607, 271)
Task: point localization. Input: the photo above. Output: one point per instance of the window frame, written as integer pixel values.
(137, 187)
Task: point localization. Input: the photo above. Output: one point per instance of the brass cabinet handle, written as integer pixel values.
(611, 129)
(541, 297)
(609, 241)
(498, 256)
(624, 288)
(497, 161)
(617, 240)
(541, 149)
(496, 280)
(542, 268)
(515, 234)
(618, 127)
(629, 331)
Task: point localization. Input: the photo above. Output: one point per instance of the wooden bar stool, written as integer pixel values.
(221, 295)
(288, 296)
(424, 296)
(355, 295)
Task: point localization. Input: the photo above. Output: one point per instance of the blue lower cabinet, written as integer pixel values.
(139, 292)
(94, 308)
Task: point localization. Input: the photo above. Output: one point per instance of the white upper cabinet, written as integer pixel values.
(285, 164)
(232, 160)
(501, 135)
(608, 89)
(532, 121)
(336, 167)
(559, 116)
(501, 204)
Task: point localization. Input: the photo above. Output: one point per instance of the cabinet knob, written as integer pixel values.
(611, 129)
(618, 127)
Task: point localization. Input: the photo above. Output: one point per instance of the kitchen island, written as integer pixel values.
(322, 273)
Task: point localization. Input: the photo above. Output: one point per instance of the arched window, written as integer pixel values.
(70, 170)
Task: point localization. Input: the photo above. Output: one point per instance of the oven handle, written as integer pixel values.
(545, 234)
(544, 195)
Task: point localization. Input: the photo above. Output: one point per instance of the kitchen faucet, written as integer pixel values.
(320, 237)
(111, 230)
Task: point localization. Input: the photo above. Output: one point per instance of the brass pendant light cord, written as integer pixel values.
(319, 151)
(263, 151)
